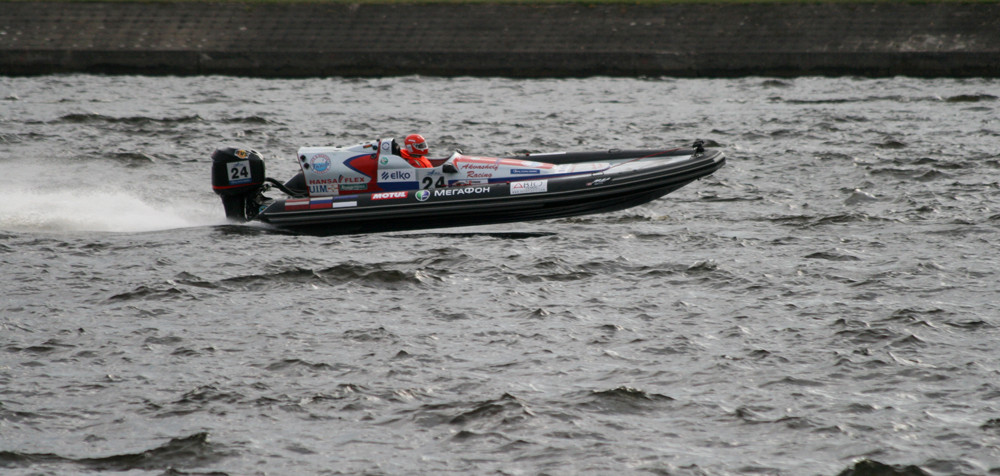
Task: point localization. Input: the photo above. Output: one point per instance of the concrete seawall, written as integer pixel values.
(519, 40)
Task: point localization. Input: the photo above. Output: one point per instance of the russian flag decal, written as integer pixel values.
(325, 202)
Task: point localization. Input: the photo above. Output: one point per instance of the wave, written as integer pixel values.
(971, 98)
(867, 467)
(809, 221)
(487, 415)
(960, 98)
(620, 400)
(380, 276)
(91, 118)
(192, 451)
(253, 120)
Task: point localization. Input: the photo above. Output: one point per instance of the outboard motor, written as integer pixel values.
(238, 178)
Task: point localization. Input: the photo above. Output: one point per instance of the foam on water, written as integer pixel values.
(38, 199)
(30, 209)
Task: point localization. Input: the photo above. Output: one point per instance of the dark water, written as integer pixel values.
(826, 303)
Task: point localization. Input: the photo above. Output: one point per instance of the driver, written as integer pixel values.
(415, 151)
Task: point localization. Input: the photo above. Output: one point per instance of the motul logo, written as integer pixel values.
(387, 195)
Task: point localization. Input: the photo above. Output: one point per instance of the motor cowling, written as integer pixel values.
(238, 178)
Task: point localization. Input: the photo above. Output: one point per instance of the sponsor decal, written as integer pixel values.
(352, 179)
(339, 180)
(388, 195)
(529, 186)
(397, 176)
(320, 163)
(385, 146)
(482, 167)
(344, 204)
(600, 181)
(451, 192)
(422, 195)
(334, 185)
(384, 160)
(325, 181)
(242, 154)
(470, 163)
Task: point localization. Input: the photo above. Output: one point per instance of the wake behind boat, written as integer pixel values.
(370, 187)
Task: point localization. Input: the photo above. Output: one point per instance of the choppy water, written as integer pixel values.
(825, 304)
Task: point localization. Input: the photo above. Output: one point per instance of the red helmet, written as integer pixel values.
(416, 145)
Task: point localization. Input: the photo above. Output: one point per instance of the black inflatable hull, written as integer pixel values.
(655, 175)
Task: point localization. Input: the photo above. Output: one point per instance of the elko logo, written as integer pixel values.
(396, 176)
(422, 195)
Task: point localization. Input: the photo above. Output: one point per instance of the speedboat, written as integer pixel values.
(370, 187)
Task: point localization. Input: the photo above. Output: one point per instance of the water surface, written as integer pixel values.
(826, 302)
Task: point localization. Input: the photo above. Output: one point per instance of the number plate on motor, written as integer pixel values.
(239, 172)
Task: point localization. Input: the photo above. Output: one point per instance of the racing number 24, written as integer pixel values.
(239, 171)
(428, 182)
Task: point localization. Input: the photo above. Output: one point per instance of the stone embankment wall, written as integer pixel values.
(320, 39)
